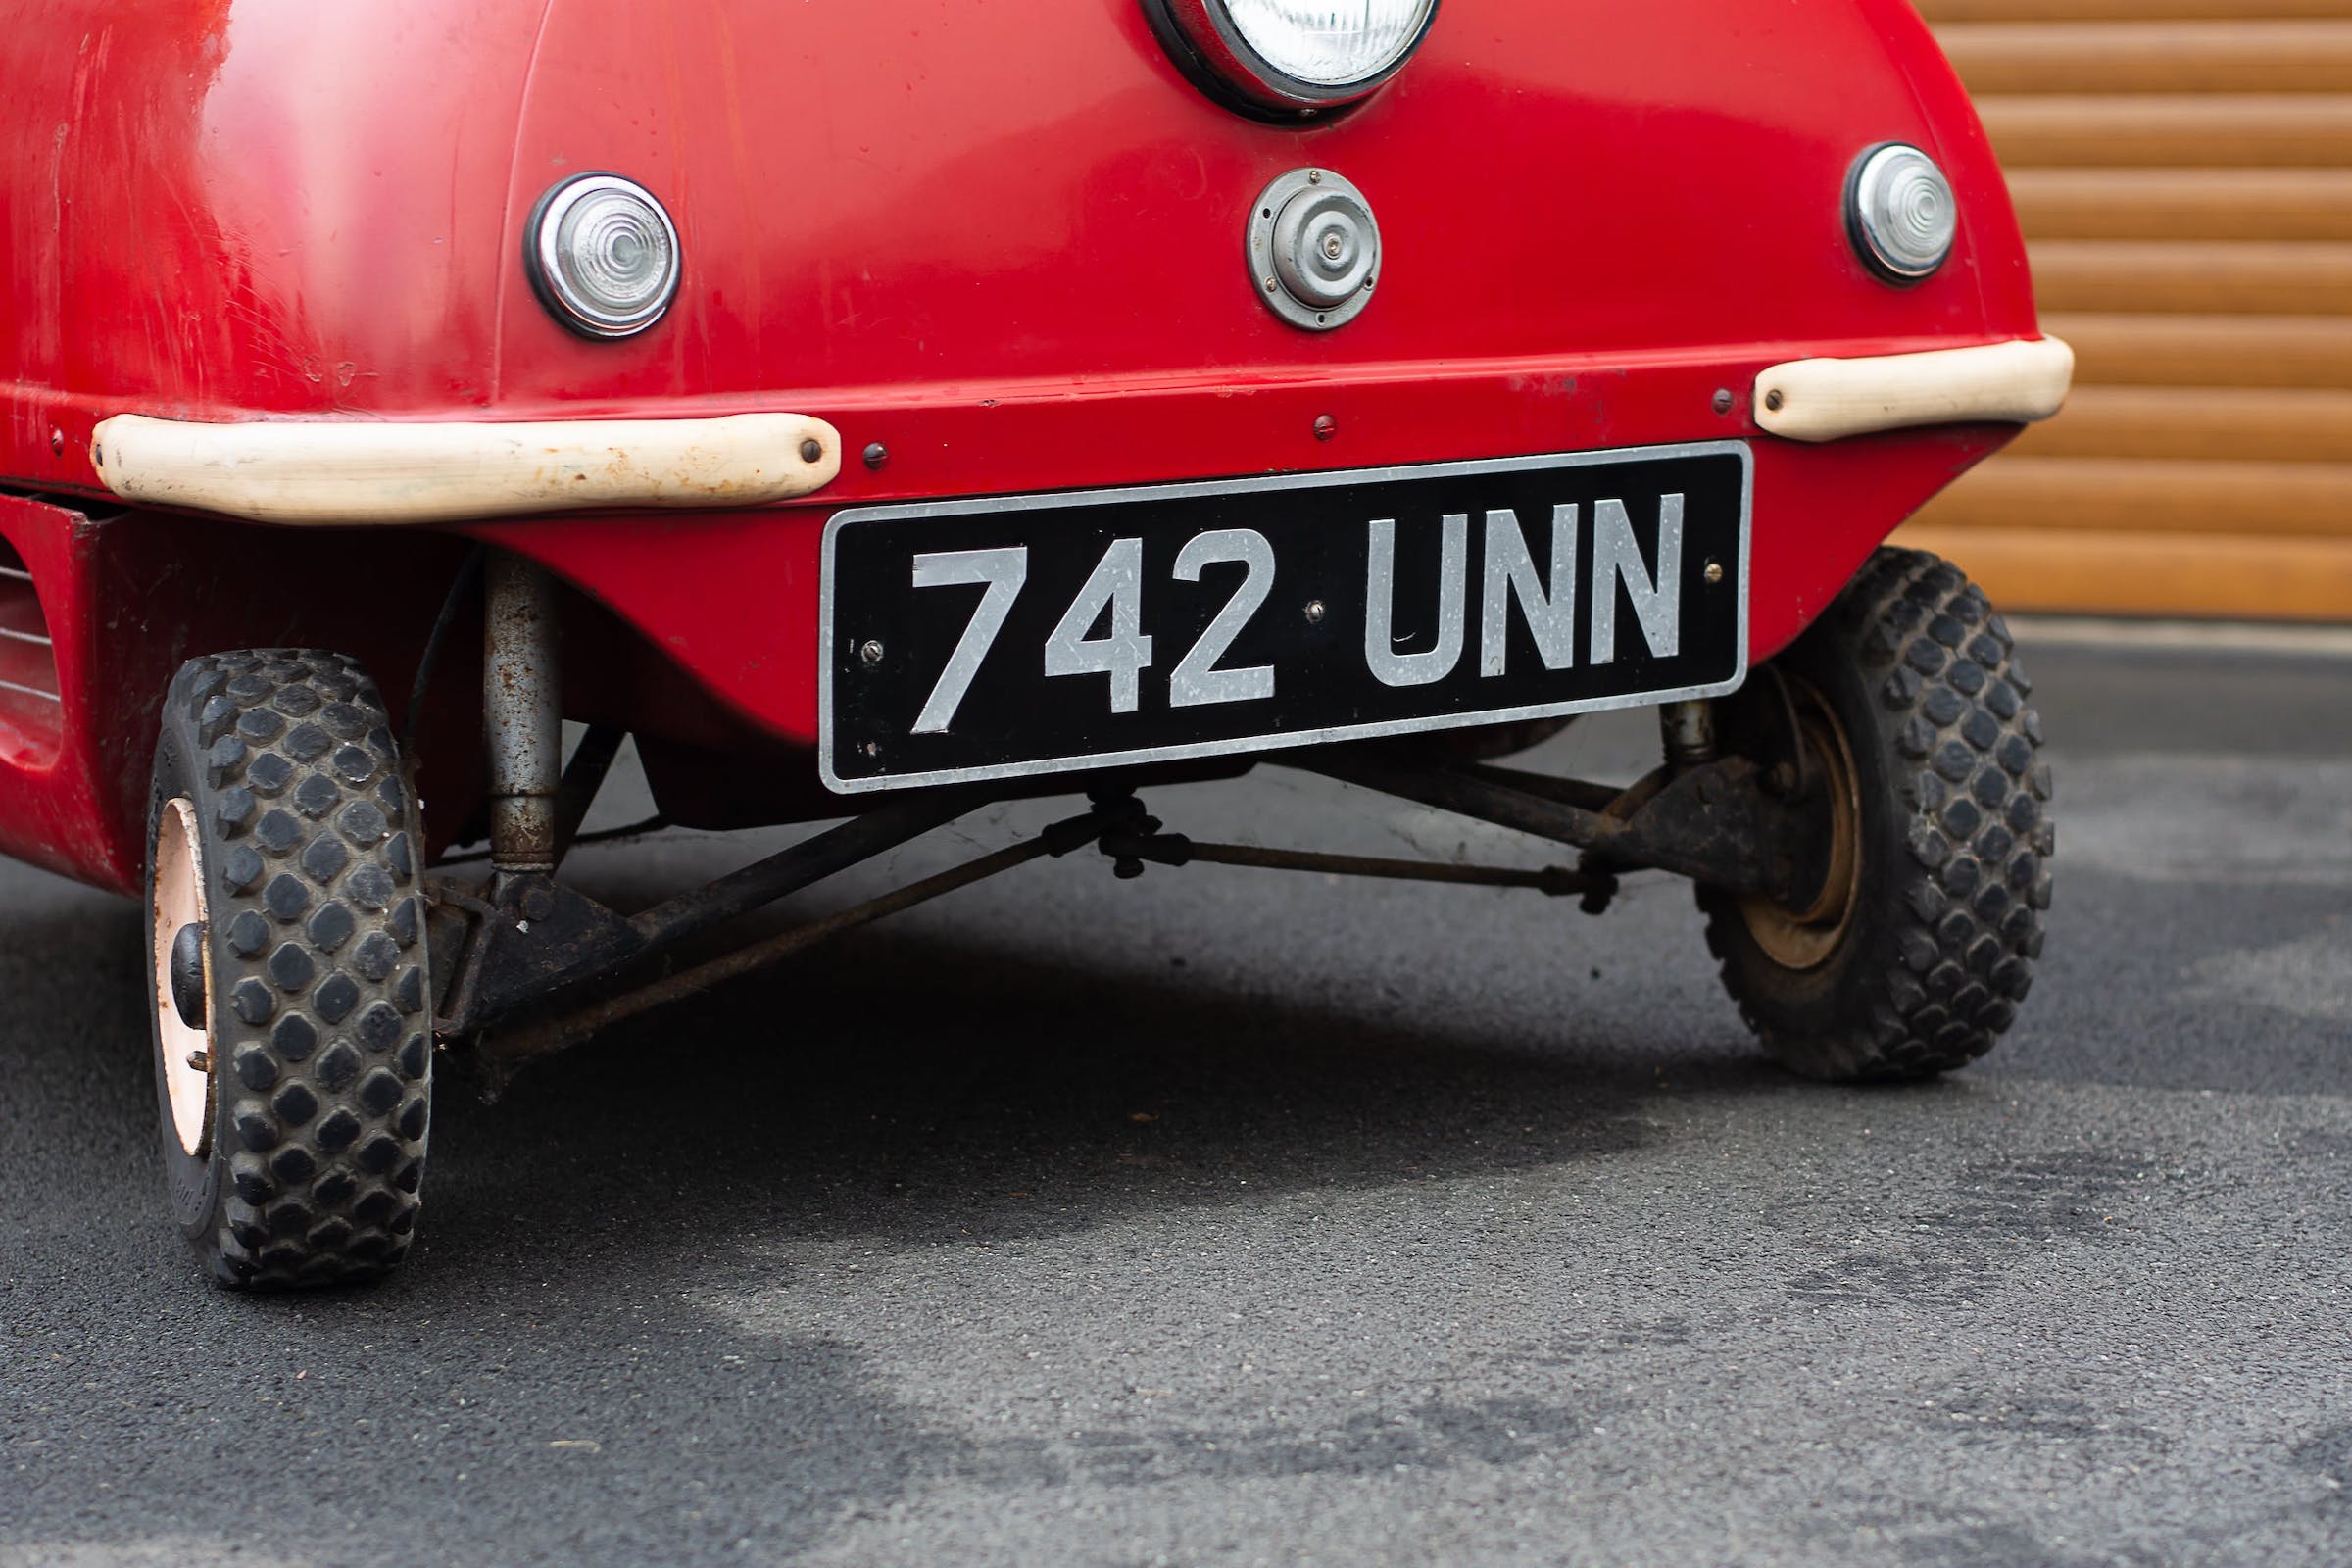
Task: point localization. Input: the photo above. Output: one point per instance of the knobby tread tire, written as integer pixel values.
(322, 1030)
(1955, 827)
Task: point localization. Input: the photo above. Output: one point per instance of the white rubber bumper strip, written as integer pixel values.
(350, 472)
(1827, 400)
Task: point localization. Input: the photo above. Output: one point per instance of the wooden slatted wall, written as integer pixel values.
(2183, 173)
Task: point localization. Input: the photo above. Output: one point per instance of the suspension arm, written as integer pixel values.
(1714, 823)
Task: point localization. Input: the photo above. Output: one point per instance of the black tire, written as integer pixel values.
(315, 1000)
(1947, 821)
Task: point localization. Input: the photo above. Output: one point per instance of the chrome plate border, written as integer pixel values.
(1280, 740)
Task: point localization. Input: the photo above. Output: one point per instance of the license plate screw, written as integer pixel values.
(869, 652)
(1723, 399)
(1326, 426)
(1314, 611)
(877, 455)
(1714, 573)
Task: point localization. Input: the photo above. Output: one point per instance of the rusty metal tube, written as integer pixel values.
(548, 1035)
(522, 714)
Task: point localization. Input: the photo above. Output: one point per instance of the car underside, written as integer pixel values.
(877, 412)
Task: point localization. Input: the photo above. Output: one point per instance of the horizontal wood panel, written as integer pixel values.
(2255, 276)
(2197, 204)
(2191, 423)
(2178, 574)
(2249, 351)
(2272, 130)
(2145, 57)
(2183, 171)
(2130, 496)
(1944, 11)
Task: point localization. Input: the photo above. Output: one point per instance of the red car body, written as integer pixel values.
(1001, 242)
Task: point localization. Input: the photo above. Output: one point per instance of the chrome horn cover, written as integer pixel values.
(1314, 249)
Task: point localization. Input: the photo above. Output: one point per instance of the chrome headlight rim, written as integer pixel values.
(1201, 37)
(542, 258)
(1890, 268)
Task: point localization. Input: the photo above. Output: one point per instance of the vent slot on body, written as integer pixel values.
(31, 718)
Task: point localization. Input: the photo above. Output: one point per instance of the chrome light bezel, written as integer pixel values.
(1201, 37)
(543, 259)
(1870, 166)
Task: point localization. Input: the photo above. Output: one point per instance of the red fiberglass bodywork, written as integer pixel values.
(1000, 240)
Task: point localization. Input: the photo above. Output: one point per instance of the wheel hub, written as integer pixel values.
(187, 974)
(182, 1007)
(1803, 931)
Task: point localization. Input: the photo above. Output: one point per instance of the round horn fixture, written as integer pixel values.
(1314, 250)
(1283, 59)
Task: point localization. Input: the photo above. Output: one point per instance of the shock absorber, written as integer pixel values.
(523, 714)
(1688, 731)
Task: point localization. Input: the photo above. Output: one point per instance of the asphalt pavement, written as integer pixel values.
(1232, 1217)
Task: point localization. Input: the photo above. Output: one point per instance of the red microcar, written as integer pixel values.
(883, 408)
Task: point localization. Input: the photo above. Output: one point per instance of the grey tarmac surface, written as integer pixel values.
(1229, 1218)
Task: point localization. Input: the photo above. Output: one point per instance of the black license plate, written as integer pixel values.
(969, 640)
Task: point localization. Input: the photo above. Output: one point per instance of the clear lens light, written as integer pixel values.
(608, 255)
(1329, 43)
(1904, 212)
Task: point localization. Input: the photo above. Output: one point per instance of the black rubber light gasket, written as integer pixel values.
(1245, 81)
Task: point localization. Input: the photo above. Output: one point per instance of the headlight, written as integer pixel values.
(1291, 57)
(603, 255)
(1900, 211)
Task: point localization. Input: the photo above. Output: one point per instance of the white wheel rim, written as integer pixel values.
(178, 901)
(1808, 938)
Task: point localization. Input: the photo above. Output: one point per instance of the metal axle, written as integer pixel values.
(1117, 824)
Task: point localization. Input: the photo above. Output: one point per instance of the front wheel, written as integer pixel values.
(286, 981)
(1899, 720)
